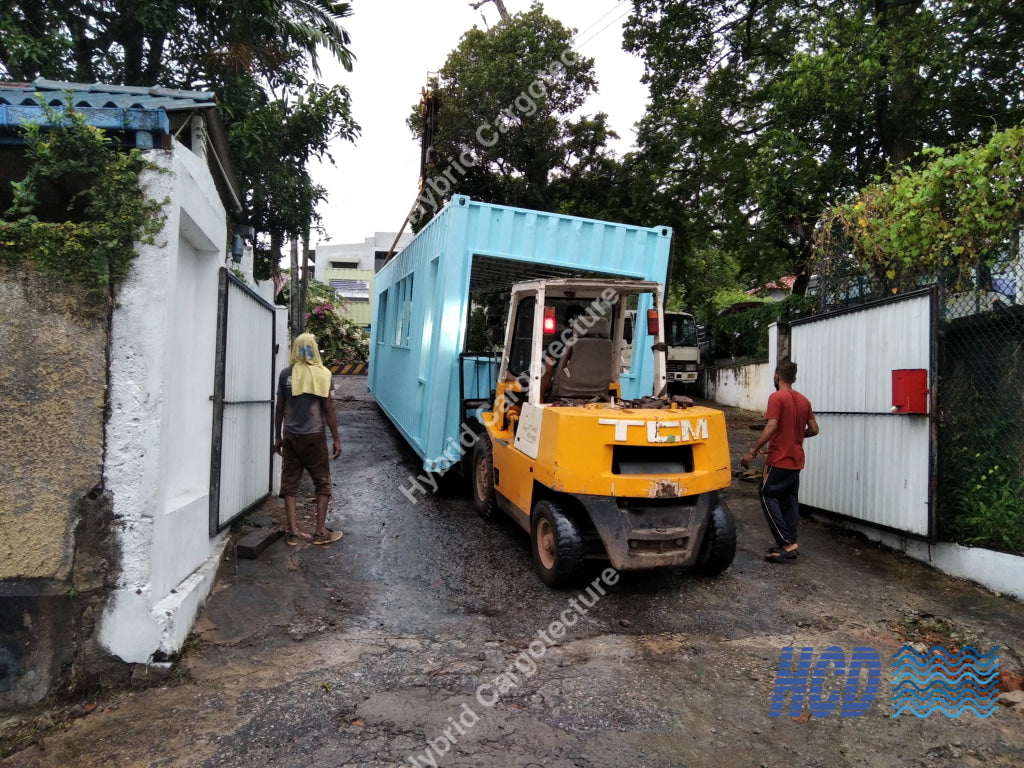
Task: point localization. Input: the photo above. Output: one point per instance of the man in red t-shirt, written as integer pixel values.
(790, 420)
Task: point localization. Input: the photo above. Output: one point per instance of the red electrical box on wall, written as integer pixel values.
(910, 391)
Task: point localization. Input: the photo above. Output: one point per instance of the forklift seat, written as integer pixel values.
(585, 370)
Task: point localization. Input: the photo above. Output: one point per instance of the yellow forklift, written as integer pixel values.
(588, 474)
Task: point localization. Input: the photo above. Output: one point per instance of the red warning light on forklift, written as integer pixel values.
(549, 320)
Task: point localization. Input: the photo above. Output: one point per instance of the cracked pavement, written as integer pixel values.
(372, 652)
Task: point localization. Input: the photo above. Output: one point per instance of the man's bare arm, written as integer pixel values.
(332, 423)
(762, 440)
(278, 423)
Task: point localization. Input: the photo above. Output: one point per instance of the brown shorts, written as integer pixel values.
(307, 452)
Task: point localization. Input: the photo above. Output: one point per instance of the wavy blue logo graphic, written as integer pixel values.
(953, 683)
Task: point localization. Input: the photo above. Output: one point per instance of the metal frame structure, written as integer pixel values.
(238, 392)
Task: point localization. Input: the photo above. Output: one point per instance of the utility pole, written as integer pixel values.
(295, 310)
(429, 106)
(305, 280)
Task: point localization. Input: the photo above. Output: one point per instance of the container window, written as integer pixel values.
(427, 313)
(382, 314)
(403, 326)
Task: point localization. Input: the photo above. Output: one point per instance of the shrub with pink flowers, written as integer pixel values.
(341, 341)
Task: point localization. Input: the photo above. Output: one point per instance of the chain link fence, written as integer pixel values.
(980, 482)
(981, 410)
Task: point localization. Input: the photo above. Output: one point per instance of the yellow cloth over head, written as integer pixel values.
(309, 375)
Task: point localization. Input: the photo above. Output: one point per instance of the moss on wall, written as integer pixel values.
(53, 382)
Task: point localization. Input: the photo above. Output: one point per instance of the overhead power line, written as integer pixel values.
(605, 27)
(600, 18)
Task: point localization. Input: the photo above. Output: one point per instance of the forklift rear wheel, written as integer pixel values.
(557, 544)
(483, 479)
(719, 546)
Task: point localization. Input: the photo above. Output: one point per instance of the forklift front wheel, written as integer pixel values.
(557, 544)
(483, 479)
(719, 546)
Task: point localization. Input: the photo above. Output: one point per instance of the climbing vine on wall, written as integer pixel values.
(946, 216)
(79, 211)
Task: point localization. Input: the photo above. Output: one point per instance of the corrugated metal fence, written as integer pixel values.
(868, 463)
(240, 470)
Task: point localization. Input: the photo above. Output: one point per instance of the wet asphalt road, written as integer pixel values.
(408, 643)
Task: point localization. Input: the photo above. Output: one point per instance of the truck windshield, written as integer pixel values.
(680, 330)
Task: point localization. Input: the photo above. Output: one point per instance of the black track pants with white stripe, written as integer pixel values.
(779, 502)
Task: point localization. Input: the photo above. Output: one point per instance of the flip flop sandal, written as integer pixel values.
(778, 554)
(328, 537)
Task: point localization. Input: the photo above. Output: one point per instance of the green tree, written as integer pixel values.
(272, 141)
(950, 217)
(255, 55)
(114, 41)
(502, 131)
(175, 43)
(765, 113)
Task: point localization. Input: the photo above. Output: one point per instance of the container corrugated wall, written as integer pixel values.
(415, 378)
(867, 463)
(402, 371)
(564, 241)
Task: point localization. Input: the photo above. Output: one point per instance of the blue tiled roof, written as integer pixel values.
(100, 96)
(136, 113)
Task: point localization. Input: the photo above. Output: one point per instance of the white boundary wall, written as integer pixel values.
(158, 436)
(998, 571)
(741, 386)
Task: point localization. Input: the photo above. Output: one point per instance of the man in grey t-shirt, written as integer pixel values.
(299, 430)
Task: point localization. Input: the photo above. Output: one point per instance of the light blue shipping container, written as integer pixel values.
(421, 305)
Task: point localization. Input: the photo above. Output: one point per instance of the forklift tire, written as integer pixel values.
(557, 545)
(482, 479)
(719, 546)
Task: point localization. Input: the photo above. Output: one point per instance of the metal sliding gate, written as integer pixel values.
(869, 463)
(243, 407)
